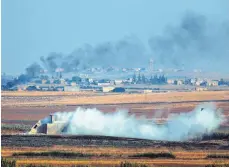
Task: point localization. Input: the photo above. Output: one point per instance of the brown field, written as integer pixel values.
(116, 162)
(111, 151)
(36, 105)
(113, 156)
(20, 110)
(38, 93)
(32, 99)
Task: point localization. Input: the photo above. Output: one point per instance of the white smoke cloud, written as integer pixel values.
(203, 119)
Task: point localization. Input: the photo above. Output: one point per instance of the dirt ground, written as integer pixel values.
(27, 106)
(42, 99)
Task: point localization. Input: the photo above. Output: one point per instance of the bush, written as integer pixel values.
(155, 155)
(129, 164)
(7, 162)
(53, 154)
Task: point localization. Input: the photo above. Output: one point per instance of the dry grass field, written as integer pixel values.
(61, 98)
(20, 110)
(47, 93)
(110, 156)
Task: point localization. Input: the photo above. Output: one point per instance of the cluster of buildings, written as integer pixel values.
(137, 82)
(194, 82)
(114, 69)
(129, 70)
(69, 85)
(77, 83)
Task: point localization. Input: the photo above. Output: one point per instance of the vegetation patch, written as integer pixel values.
(7, 162)
(218, 156)
(216, 136)
(217, 165)
(36, 165)
(49, 165)
(130, 164)
(54, 154)
(104, 155)
(15, 127)
(155, 155)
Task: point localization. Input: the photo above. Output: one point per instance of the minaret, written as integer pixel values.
(151, 65)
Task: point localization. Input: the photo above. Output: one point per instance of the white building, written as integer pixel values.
(108, 88)
(90, 80)
(147, 91)
(118, 82)
(198, 83)
(71, 88)
(179, 82)
(213, 83)
(200, 89)
(104, 84)
(193, 81)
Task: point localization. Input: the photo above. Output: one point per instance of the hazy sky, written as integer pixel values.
(34, 28)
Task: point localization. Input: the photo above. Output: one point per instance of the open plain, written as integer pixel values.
(21, 110)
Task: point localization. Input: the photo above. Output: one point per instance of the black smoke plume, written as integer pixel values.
(33, 70)
(118, 54)
(194, 43)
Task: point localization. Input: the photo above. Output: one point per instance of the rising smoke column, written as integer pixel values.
(195, 42)
(118, 53)
(180, 127)
(33, 70)
(52, 61)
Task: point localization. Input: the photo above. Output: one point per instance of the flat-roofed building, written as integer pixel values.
(118, 82)
(75, 88)
(200, 89)
(107, 88)
(147, 91)
(213, 83)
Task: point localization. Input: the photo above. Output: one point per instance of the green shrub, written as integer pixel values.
(7, 162)
(129, 164)
(155, 155)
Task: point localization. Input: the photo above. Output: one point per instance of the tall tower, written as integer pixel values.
(151, 65)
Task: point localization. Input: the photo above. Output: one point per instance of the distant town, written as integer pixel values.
(134, 80)
(142, 80)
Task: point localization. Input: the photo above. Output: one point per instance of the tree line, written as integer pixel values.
(141, 79)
